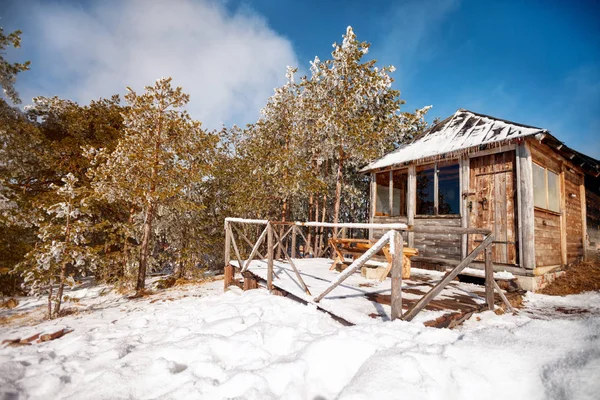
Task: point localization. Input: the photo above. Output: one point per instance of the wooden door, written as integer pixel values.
(491, 204)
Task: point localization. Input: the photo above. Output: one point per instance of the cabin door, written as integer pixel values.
(491, 204)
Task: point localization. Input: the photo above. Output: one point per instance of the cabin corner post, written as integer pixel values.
(397, 258)
(373, 199)
(526, 206)
(584, 233)
(411, 198)
(563, 215)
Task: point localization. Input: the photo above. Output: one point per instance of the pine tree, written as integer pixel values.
(62, 244)
(352, 108)
(161, 155)
(8, 71)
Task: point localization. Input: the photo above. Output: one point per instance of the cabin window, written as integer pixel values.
(394, 197)
(400, 182)
(546, 192)
(382, 203)
(426, 191)
(448, 189)
(446, 186)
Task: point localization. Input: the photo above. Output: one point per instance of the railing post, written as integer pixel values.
(489, 277)
(228, 271)
(270, 252)
(397, 258)
(294, 227)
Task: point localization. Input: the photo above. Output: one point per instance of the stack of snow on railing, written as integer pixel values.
(393, 236)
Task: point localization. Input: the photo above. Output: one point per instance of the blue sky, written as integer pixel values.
(535, 62)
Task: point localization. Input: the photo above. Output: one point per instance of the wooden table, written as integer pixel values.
(357, 247)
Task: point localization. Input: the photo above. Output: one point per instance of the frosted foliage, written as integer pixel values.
(62, 241)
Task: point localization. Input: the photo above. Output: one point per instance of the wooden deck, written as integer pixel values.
(361, 301)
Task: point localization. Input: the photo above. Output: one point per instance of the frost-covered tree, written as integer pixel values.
(61, 249)
(162, 155)
(352, 108)
(9, 71)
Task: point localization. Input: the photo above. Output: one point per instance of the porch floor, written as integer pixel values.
(362, 301)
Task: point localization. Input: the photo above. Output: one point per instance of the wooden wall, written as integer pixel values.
(559, 236)
(547, 239)
(439, 246)
(573, 220)
(592, 191)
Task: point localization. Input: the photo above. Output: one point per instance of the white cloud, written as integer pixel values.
(229, 62)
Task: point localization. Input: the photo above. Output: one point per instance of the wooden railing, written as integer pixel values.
(393, 237)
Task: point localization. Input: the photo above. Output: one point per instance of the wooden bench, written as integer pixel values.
(357, 247)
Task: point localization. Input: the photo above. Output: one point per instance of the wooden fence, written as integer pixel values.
(285, 245)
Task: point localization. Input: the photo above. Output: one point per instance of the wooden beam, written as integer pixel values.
(562, 187)
(397, 258)
(261, 239)
(519, 206)
(464, 214)
(356, 264)
(411, 199)
(270, 250)
(489, 278)
(373, 200)
(503, 297)
(526, 210)
(302, 283)
(248, 242)
(250, 281)
(235, 248)
(228, 276)
(408, 316)
(495, 150)
(436, 191)
(227, 255)
(283, 237)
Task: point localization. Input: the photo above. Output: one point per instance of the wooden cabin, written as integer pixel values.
(540, 198)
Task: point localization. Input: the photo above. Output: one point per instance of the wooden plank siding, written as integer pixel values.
(547, 238)
(559, 236)
(574, 224)
(592, 197)
(446, 246)
(492, 196)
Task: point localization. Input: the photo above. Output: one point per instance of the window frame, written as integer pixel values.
(546, 191)
(436, 192)
(390, 199)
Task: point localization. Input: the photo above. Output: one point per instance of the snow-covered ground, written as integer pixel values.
(196, 342)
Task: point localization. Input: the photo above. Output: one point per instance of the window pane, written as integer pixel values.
(553, 192)
(382, 202)
(539, 186)
(400, 179)
(425, 191)
(448, 190)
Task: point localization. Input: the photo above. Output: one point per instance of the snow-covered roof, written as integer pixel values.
(460, 132)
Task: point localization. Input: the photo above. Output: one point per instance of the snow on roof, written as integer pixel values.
(463, 130)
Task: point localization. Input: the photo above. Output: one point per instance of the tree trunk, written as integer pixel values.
(322, 229)
(141, 279)
(338, 191)
(309, 234)
(125, 257)
(282, 227)
(63, 267)
(315, 248)
(50, 299)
